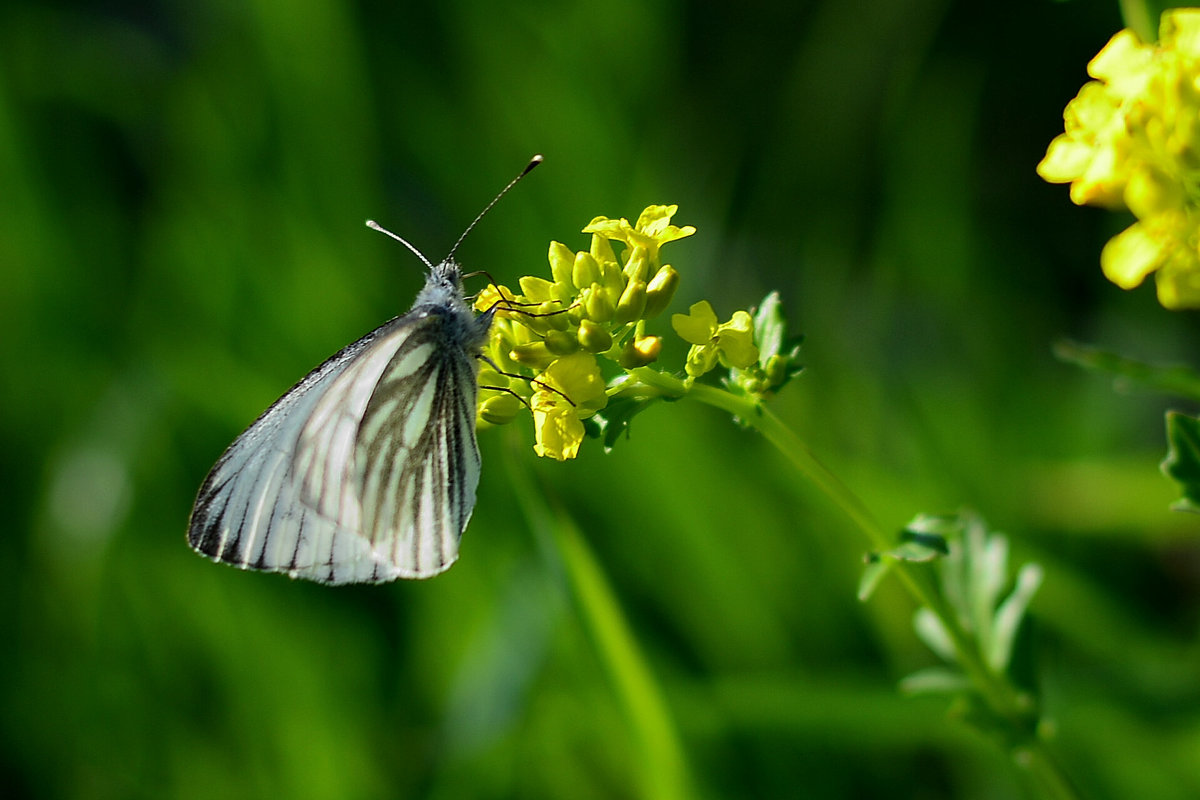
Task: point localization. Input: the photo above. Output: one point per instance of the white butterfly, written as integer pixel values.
(364, 471)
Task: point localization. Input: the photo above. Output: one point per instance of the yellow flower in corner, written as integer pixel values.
(1132, 140)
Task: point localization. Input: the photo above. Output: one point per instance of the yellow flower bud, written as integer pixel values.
(602, 249)
(536, 289)
(534, 354)
(640, 352)
(562, 262)
(700, 359)
(553, 314)
(1150, 192)
(500, 409)
(585, 271)
(613, 279)
(660, 291)
(632, 303)
(593, 337)
(492, 297)
(562, 343)
(776, 370)
(538, 324)
(597, 305)
(637, 266)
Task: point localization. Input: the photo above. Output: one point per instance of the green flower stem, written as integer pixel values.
(1005, 700)
(664, 771)
(1142, 18)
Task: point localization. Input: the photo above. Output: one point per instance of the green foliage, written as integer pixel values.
(973, 580)
(184, 186)
(981, 606)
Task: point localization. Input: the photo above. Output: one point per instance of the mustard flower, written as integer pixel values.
(569, 390)
(1132, 140)
(731, 343)
(552, 342)
(593, 305)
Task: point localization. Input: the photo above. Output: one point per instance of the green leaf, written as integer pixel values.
(1182, 463)
(987, 568)
(915, 546)
(778, 353)
(613, 421)
(770, 327)
(872, 574)
(1007, 620)
(933, 633)
(919, 546)
(1180, 380)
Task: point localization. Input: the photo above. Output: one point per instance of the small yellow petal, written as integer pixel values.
(578, 377)
(1151, 192)
(1123, 56)
(1180, 31)
(1179, 288)
(1066, 159)
(698, 325)
(1132, 255)
(558, 432)
(735, 340)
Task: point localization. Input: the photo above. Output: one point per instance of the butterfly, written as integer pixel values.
(365, 471)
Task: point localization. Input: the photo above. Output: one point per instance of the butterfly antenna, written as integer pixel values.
(533, 162)
(376, 226)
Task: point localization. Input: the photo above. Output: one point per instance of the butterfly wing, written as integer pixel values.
(307, 489)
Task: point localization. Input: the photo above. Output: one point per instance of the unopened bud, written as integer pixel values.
(660, 291)
(593, 337)
(562, 343)
(500, 409)
(640, 352)
(585, 271)
(632, 304)
(562, 262)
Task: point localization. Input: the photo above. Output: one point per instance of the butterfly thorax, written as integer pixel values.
(442, 295)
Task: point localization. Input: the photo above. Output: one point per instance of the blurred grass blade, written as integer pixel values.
(1179, 380)
(664, 770)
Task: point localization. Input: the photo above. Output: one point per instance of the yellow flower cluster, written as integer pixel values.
(1132, 140)
(595, 305)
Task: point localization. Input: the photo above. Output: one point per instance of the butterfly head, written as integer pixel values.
(443, 285)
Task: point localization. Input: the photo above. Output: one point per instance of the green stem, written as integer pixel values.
(1004, 699)
(1142, 18)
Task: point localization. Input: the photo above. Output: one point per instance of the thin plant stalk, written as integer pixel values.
(663, 767)
(1004, 699)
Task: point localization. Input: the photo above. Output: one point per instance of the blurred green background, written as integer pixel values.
(182, 189)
